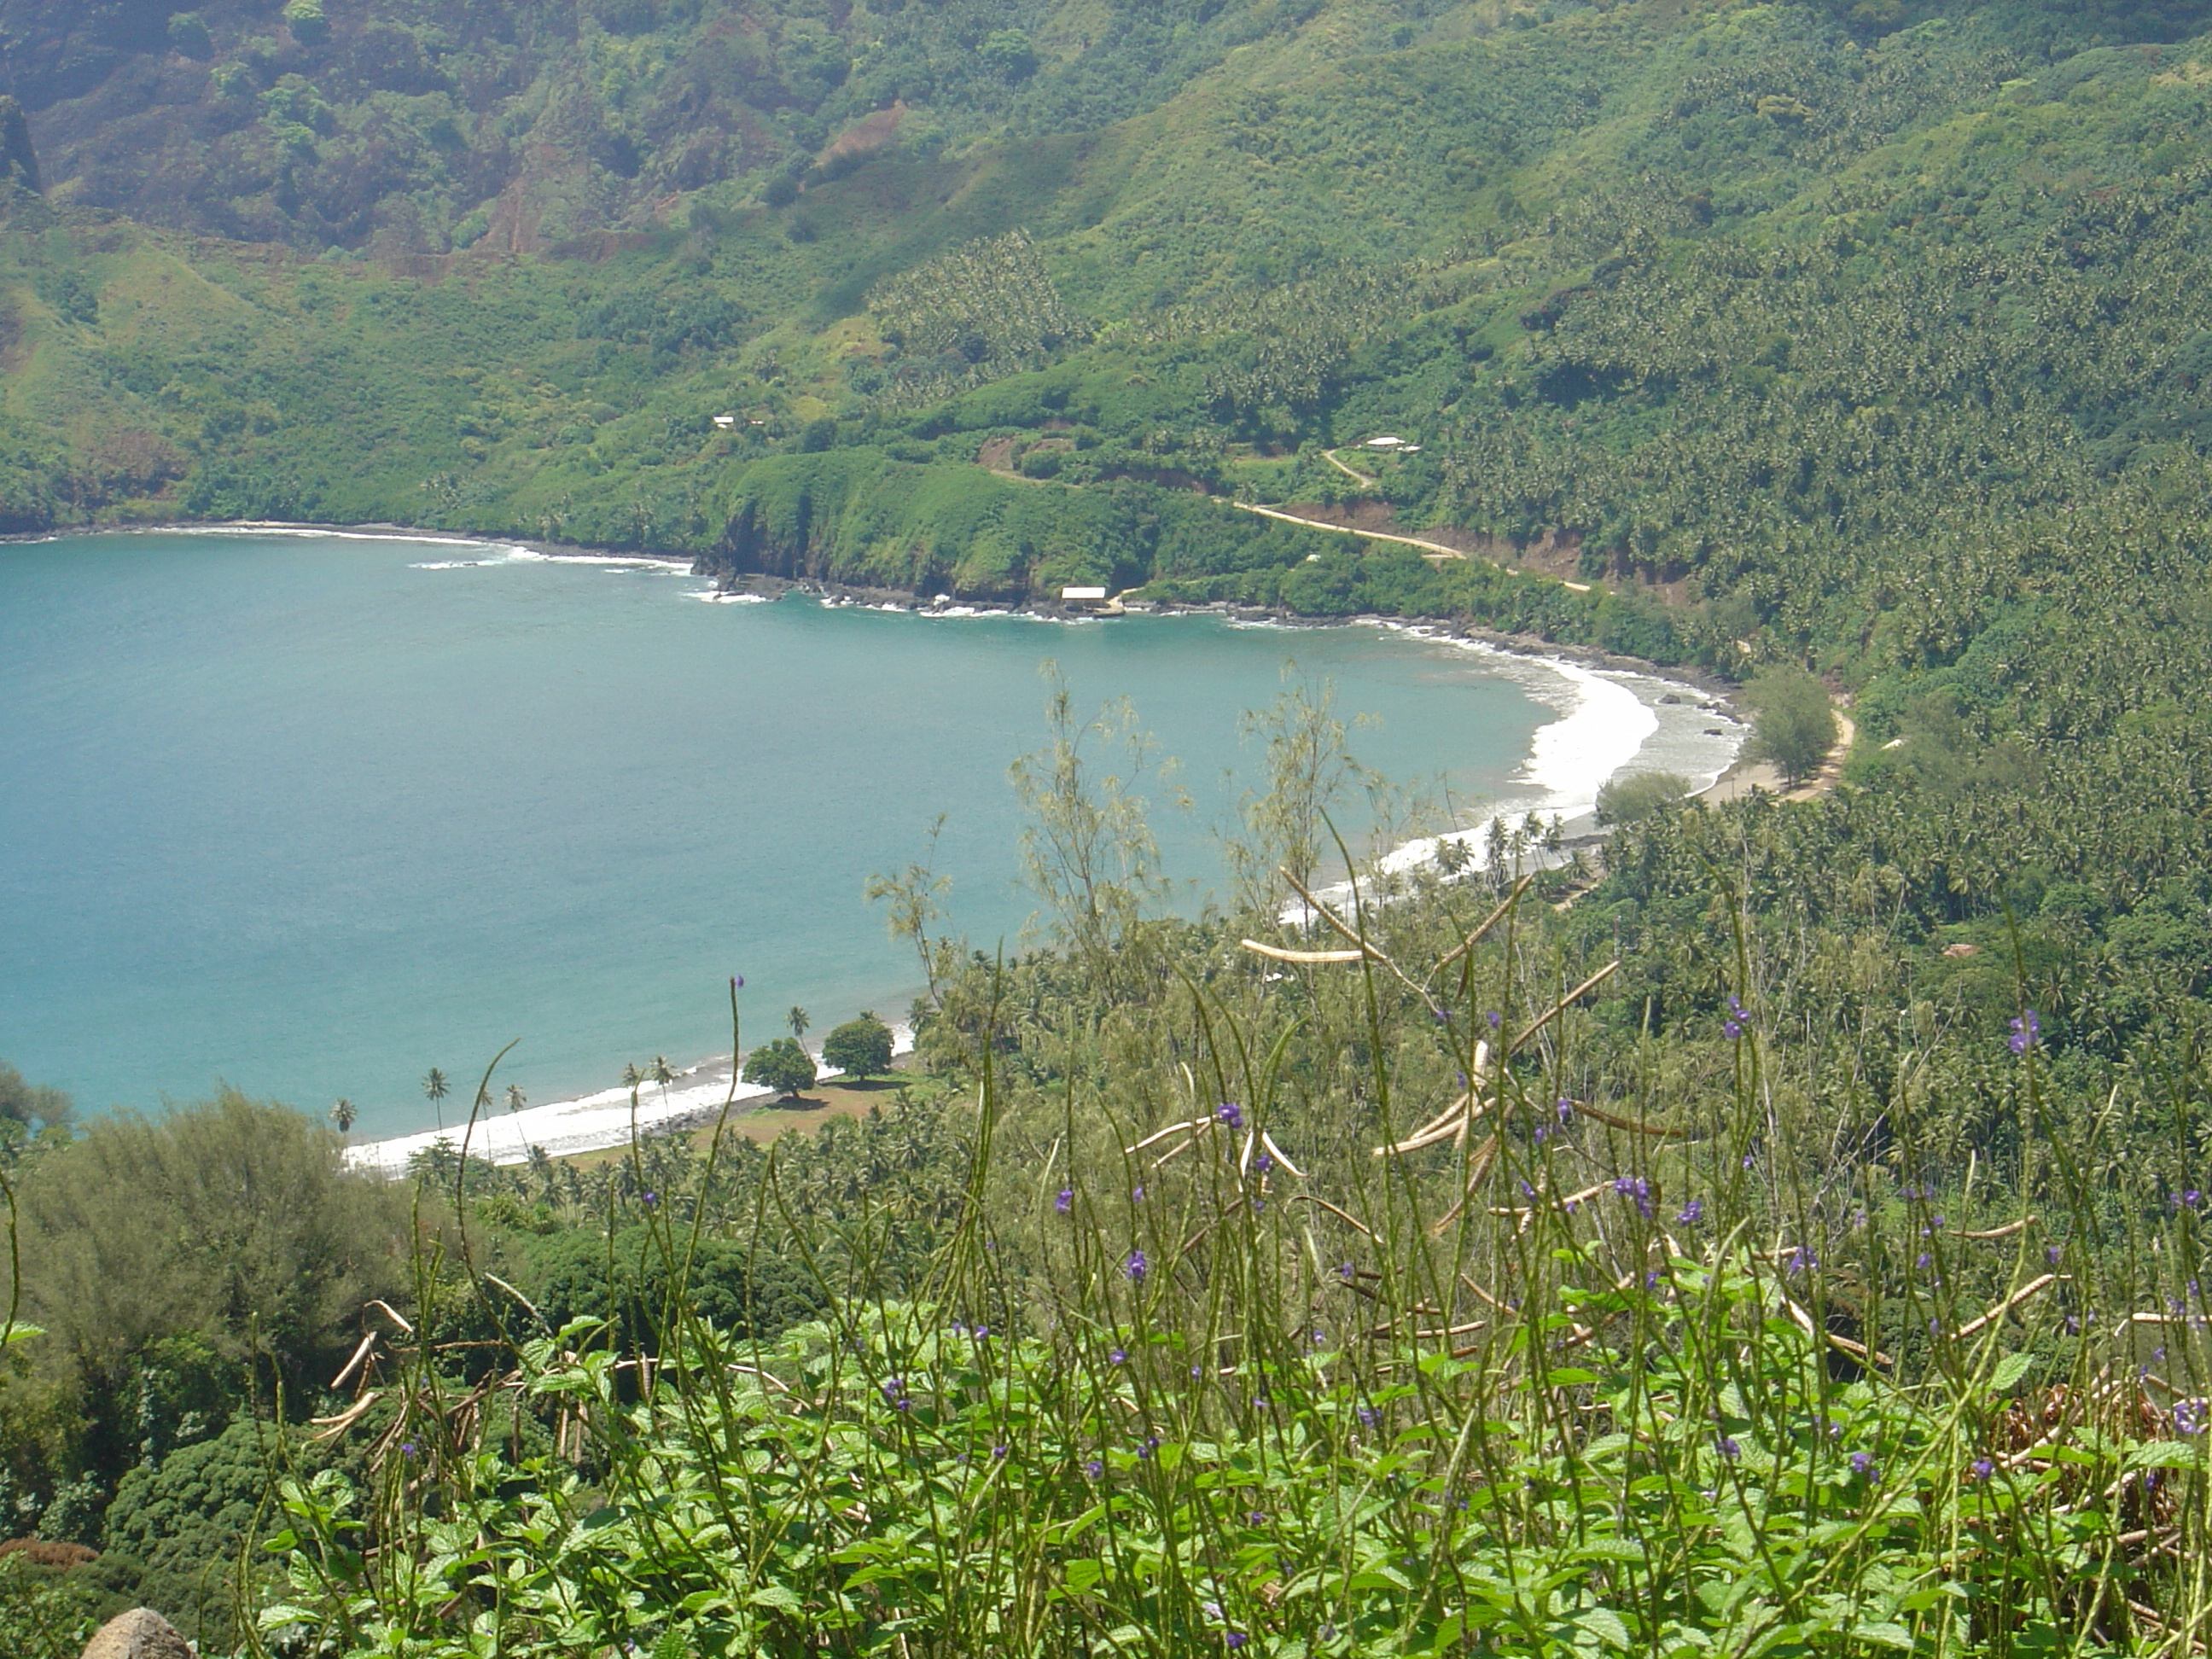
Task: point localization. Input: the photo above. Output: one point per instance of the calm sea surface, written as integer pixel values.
(311, 814)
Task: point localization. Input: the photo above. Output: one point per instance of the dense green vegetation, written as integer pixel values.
(1824, 1279)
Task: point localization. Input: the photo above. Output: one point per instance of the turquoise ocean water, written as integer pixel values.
(312, 813)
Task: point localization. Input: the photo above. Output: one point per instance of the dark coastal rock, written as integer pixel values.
(141, 1634)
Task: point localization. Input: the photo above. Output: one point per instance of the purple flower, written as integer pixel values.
(2188, 1201)
(1236, 1638)
(651, 1198)
(1736, 1021)
(1923, 1259)
(1231, 1113)
(1732, 1029)
(982, 1333)
(1066, 1201)
(1094, 1468)
(1369, 1417)
(1638, 1187)
(1727, 1448)
(1257, 1517)
(1134, 1268)
(2050, 1254)
(2025, 1031)
(1346, 1271)
(1691, 1213)
(1137, 1194)
(410, 1449)
(1118, 1357)
(1566, 1110)
(1151, 1444)
(1862, 1463)
(737, 981)
(1494, 1018)
(1263, 1163)
(1802, 1260)
(1983, 1468)
(998, 1453)
(2188, 1417)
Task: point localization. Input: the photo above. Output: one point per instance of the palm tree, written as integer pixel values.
(342, 1115)
(516, 1100)
(434, 1087)
(799, 1021)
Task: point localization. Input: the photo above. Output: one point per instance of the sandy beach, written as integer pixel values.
(590, 1123)
(1613, 722)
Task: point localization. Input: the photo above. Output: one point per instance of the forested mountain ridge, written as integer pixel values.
(1342, 216)
(1788, 1236)
(424, 125)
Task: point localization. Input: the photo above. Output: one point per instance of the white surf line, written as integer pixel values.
(1609, 720)
(588, 1123)
(1435, 550)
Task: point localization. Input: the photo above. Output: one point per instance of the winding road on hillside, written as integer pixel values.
(1351, 472)
(1429, 549)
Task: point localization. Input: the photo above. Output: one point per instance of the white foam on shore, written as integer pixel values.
(324, 533)
(589, 1123)
(1612, 723)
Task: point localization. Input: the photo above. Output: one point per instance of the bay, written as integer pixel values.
(310, 813)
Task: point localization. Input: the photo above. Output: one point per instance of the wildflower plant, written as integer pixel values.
(1663, 1379)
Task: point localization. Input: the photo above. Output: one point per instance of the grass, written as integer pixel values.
(1543, 1376)
(825, 1102)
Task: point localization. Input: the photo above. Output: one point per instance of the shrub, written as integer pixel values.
(1636, 796)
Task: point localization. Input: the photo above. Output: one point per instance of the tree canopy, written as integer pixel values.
(859, 1047)
(782, 1065)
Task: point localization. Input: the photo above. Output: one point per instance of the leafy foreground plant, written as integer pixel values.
(1538, 1376)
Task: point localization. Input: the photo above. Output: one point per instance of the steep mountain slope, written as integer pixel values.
(420, 125)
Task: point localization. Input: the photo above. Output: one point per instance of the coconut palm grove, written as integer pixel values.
(1767, 1221)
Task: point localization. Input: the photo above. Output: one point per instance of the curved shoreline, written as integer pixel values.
(1610, 713)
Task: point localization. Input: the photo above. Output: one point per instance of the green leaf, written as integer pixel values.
(2011, 1369)
(1885, 1636)
(779, 1596)
(1605, 1624)
(1610, 1549)
(2167, 1455)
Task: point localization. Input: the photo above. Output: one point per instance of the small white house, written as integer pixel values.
(724, 422)
(1083, 596)
(1385, 441)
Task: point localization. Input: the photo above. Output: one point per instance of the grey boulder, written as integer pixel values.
(141, 1634)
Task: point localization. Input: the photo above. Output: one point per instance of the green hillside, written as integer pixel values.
(1816, 1266)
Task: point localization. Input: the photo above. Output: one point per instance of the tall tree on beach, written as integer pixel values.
(516, 1100)
(433, 1085)
(798, 1020)
(342, 1115)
